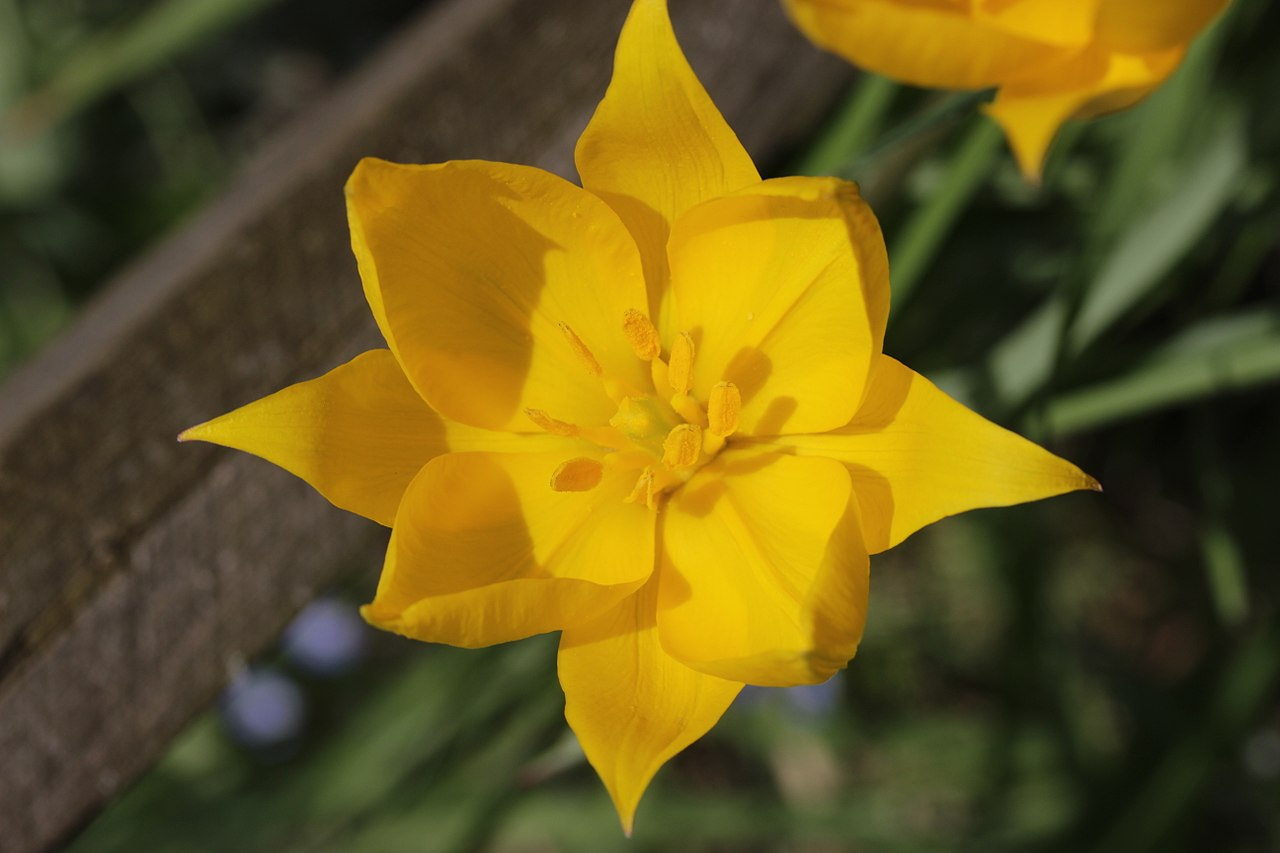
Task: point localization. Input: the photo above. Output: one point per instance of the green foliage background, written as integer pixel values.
(1095, 673)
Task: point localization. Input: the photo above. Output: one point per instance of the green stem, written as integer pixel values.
(108, 62)
(851, 132)
(911, 254)
(940, 112)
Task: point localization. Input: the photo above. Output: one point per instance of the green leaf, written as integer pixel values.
(1214, 357)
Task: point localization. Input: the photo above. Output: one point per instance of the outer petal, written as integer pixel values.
(1066, 24)
(657, 145)
(764, 574)
(784, 288)
(1142, 26)
(358, 434)
(916, 456)
(483, 550)
(470, 267)
(633, 706)
(937, 44)
(1032, 109)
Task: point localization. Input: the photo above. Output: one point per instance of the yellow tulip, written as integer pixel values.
(1052, 60)
(650, 412)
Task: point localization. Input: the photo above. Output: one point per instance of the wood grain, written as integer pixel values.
(137, 573)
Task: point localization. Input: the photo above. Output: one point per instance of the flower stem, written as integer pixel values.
(853, 130)
(918, 242)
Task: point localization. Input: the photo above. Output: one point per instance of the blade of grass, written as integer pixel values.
(941, 112)
(1224, 565)
(1150, 249)
(1130, 274)
(1218, 356)
(1224, 571)
(109, 61)
(407, 722)
(1150, 136)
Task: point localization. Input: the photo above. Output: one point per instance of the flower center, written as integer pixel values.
(661, 432)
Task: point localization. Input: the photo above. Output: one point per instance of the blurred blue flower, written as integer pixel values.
(262, 709)
(327, 638)
(808, 701)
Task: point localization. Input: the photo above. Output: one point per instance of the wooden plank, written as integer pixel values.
(136, 572)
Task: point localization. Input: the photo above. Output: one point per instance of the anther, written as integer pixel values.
(641, 334)
(545, 422)
(724, 404)
(577, 475)
(682, 446)
(643, 489)
(580, 350)
(680, 368)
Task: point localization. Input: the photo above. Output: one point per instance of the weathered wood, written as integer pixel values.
(137, 572)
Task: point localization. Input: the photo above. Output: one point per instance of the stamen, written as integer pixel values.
(628, 460)
(682, 446)
(723, 407)
(549, 424)
(688, 408)
(658, 373)
(641, 334)
(577, 475)
(643, 489)
(580, 350)
(680, 367)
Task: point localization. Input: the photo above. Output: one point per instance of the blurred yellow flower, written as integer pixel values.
(651, 413)
(1052, 60)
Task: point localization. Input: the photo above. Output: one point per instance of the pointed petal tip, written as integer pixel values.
(626, 809)
(1092, 483)
(199, 432)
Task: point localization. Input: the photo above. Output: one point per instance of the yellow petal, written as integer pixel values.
(474, 270)
(916, 456)
(358, 434)
(631, 704)
(1066, 24)
(657, 145)
(1141, 26)
(937, 44)
(1033, 108)
(763, 575)
(484, 550)
(785, 289)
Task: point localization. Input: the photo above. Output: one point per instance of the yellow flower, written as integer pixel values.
(651, 413)
(1051, 59)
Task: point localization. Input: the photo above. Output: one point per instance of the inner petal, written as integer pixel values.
(472, 267)
(784, 291)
